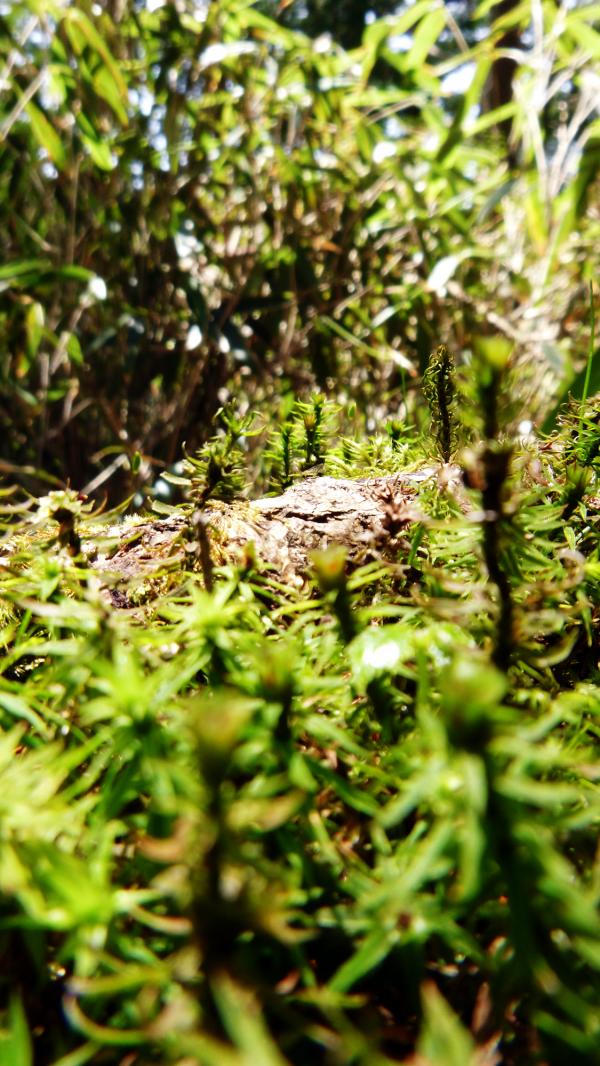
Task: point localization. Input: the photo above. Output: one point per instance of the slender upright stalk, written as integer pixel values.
(496, 465)
(590, 359)
(438, 386)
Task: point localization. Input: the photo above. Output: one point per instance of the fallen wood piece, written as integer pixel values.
(367, 516)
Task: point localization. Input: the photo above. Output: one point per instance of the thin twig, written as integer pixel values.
(21, 104)
(14, 53)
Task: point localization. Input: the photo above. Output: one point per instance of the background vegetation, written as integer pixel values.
(198, 201)
(356, 822)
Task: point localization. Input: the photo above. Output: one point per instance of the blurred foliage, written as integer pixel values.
(199, 200)
(345, 22)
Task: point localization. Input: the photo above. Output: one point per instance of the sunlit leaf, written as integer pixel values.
(444, 1041)
(74, 350)
(370, 954)
(106, 87)
(80, 29)
(34, 325)
(424, 37)
(15, 1040)
(100, 152)
(47, 135)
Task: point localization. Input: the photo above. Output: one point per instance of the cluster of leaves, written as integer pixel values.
(347, 824)
(197, 199)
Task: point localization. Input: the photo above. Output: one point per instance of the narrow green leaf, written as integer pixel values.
(373, 950)
(443, 1040)
(46, 135)
(425, 37)
(241, 1016)
(100, 152)
(588, 38)
(74, 273)
(15, 1041)
(105, 86)
(76, 20)
(19, 709)
(15, 270)
(74, 350)
(34, 326)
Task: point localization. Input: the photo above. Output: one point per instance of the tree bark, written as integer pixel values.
(499, 87)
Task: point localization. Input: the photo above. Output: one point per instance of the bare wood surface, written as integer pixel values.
(366, 516)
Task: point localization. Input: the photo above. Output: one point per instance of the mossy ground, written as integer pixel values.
(316, 825)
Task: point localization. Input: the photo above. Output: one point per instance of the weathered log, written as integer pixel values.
(367, 516)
